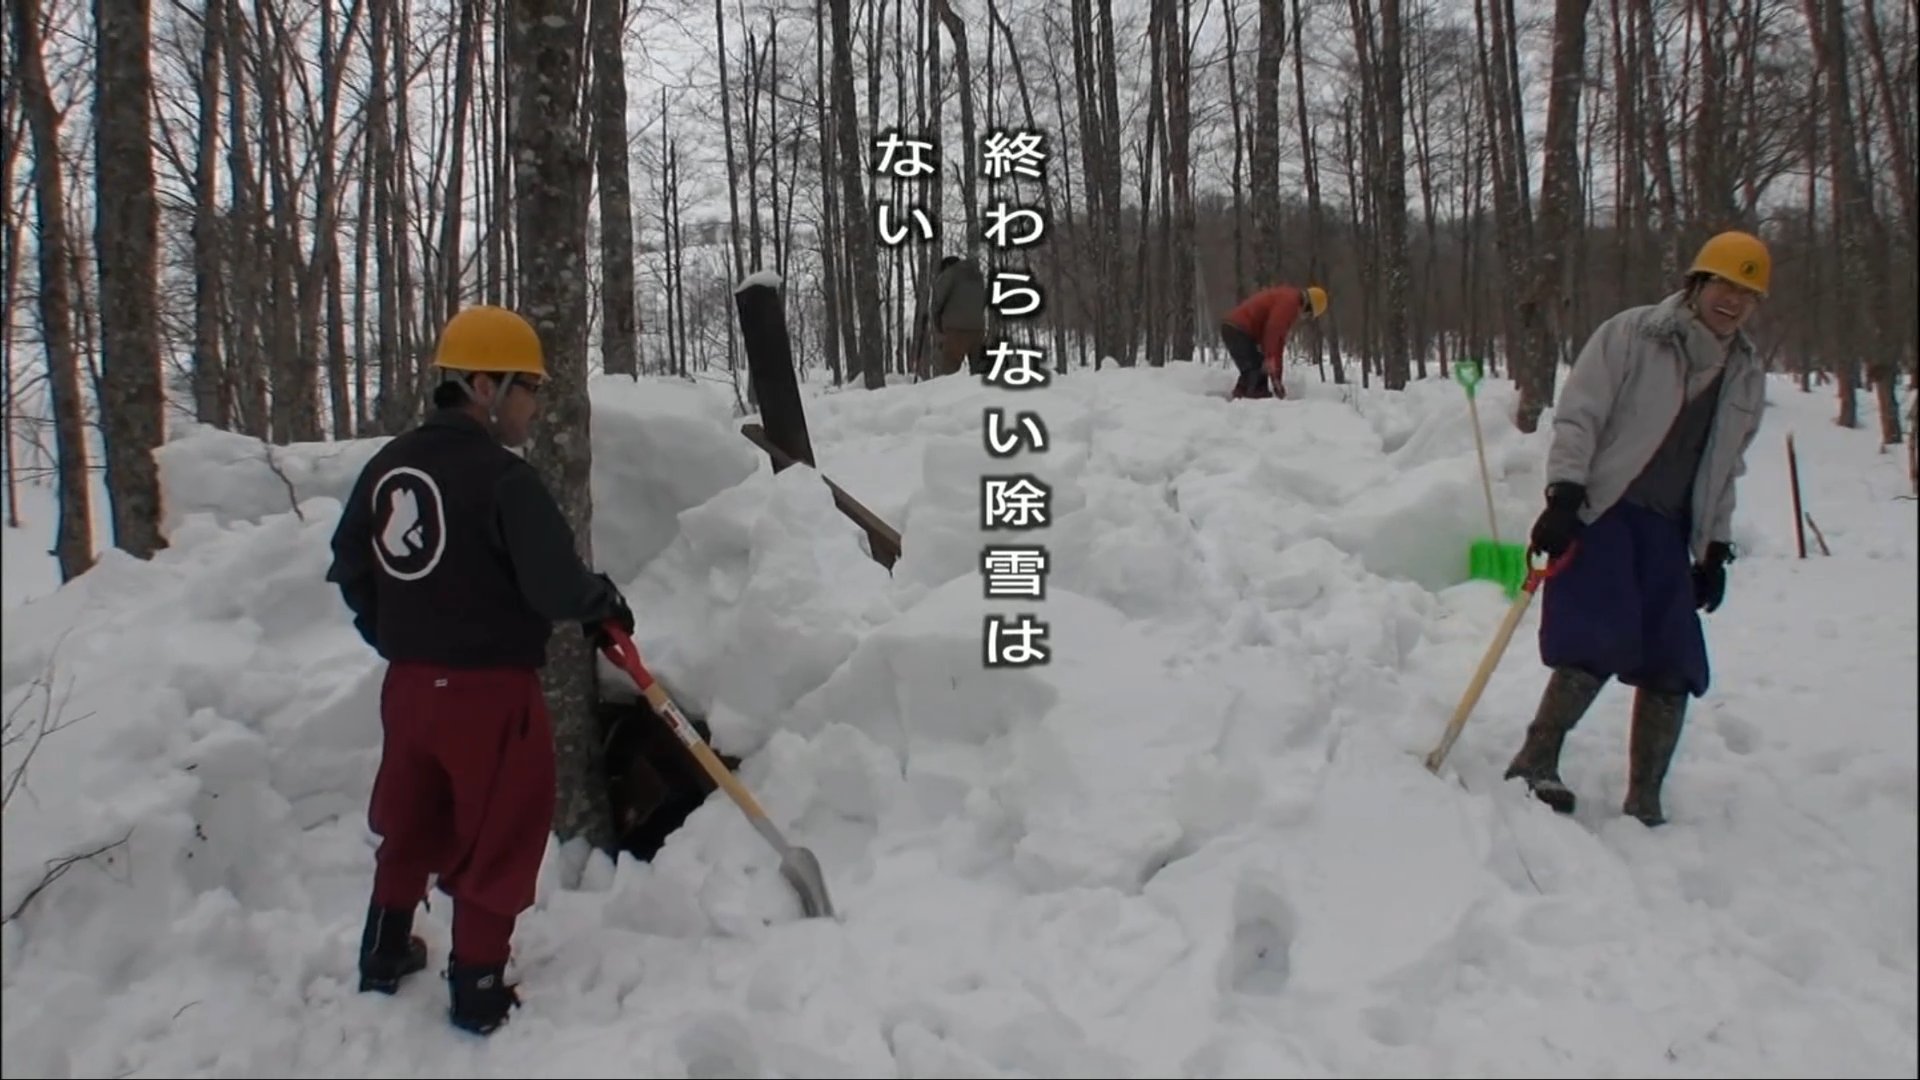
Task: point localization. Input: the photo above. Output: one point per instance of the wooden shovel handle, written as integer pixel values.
(625, 655)
(1535, 576)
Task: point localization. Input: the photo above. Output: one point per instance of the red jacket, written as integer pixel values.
(1266, 316)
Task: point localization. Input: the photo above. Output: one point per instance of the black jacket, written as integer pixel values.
(450, 551)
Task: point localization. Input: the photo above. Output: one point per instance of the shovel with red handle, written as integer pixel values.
(1535, 576)
(797, 864)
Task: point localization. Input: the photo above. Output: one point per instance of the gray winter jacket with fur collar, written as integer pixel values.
(1626, 389)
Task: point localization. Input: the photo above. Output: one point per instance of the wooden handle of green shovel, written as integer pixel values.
(625, 655)
(1467, 374)
(1498, 648)
(1486, 480)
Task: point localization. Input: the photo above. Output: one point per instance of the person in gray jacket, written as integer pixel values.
(1650, 437)
(956, 313)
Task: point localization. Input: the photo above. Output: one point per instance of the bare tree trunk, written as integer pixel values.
(294, 404)
(1507, 161)
(1900, 152)
(969, 184)
(11, 233)
(321, 283)
(73, 535)
(550, 172)
(865, 311)
(825, 231)
(1855, 222)
(243, 240)
(1393, 194)
(726, 135)
(453, 215)
(1265, 186)
(1239, 230)
(619, 329)
(126, 238)
(1310, 155)
(1536, 366)
(393, 393)
(1183, 286)
(212, 390)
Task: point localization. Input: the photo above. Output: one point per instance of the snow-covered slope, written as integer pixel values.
(1200, 843)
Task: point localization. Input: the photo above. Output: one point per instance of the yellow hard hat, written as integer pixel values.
(491, 339)
(1317, 300)
(1738, 257)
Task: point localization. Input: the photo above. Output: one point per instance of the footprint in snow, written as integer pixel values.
(1259, 955)
(1397, 1025)
(1740, 736)
(717, 1046)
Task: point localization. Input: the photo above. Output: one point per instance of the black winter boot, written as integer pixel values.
(481, 997)
(1568, 695)
(388, 950)
(1657, 719)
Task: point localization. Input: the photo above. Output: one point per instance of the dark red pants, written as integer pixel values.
(465, 791)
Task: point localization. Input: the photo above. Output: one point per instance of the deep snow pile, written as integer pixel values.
(1200, 843)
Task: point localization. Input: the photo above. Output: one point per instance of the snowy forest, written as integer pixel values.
(1182, 732)
(255, 215)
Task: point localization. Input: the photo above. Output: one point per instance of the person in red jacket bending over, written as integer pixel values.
(1255, 332)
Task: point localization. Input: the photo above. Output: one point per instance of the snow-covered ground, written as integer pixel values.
(1200, 843)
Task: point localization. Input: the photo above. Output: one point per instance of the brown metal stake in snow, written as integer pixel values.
(1793, 478)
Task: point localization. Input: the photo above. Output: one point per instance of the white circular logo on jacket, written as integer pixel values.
(409, 523)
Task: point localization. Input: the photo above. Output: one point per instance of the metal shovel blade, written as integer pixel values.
(797, 864)
(802, 871)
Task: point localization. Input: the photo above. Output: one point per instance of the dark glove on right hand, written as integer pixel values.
(1559, 523)
(621, 615)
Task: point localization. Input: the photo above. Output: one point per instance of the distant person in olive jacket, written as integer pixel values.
(956, 313)
(1650, 436)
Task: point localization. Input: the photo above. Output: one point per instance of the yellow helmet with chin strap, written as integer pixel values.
(490, 339)
(1737, 257)
(1316, 300)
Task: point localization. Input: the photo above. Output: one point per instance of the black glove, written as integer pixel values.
(1710, 576)
(1559, 523)
(621, 614)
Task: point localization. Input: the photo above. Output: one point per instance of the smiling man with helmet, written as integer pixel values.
(456, 563)
(1650, 438)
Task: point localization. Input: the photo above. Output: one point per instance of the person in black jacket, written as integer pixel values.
(456, 563)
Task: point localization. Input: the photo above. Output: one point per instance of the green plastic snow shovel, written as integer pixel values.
(797, 864)
(1487, 558)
